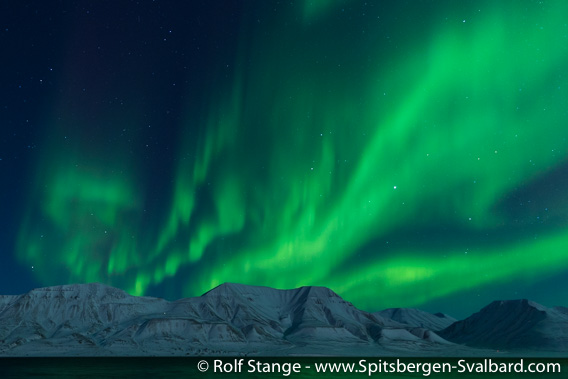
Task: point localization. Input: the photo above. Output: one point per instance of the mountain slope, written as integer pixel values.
(513, 324)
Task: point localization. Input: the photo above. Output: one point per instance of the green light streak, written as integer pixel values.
(91, 232)
(417, 278)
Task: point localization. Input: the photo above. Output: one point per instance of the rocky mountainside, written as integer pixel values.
(513, 324)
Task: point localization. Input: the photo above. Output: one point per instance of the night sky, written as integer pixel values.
(401, 153)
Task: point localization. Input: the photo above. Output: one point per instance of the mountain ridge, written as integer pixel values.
(231, 319)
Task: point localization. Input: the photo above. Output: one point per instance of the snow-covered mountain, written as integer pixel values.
(418, 318)
(94, 319)
(513, 325)
(232, 319)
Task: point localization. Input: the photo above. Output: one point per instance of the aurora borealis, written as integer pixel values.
(407, 154)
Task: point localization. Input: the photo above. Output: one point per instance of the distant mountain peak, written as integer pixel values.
(418, 318)
(515, 306)
(236, 287)
(512, 324)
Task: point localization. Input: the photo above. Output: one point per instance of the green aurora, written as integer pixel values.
(336, 149)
